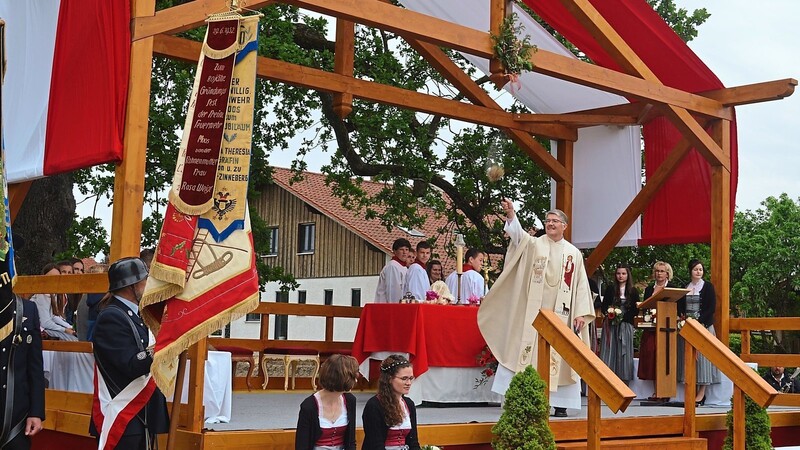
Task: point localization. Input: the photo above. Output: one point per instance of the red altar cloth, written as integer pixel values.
(434, 335)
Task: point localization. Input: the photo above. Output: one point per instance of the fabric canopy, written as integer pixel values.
(65, 90)
(607, 160)
(681, 211)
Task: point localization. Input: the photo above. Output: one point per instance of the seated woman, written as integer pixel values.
(616, 345)
(435, 271)
(51, 311)
(327, 419)
(390, 419)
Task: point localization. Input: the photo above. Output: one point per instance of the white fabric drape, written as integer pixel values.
(607, 160)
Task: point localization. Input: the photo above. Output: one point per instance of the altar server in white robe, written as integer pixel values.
(393, 276)
(539, 273)
(417, 281)
(472, 283)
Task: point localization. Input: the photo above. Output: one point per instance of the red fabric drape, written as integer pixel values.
(681, 211)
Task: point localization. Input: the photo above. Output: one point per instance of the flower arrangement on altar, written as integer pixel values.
(614, 315)
(487, 360)
(649, 315)
(474, 300)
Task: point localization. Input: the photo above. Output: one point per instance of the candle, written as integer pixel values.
(459, 259)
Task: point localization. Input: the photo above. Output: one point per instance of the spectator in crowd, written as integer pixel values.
(51, 311)
(327, 418)
(417, 281)
(123, 357)
(616, 345)
(435, 271)
(93, 303)
(393, 276)
(77, 265)
(699, 303)
(777, 378)
(472, 283)
(390, 418)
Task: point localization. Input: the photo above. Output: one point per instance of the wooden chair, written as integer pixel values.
(240, 355)
(290, 356)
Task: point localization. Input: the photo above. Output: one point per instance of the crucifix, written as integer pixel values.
(667, 329)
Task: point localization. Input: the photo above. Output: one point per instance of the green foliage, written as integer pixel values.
(514, 54)
(757, 427)
(679, 19)
(85, 238)
(523, 424)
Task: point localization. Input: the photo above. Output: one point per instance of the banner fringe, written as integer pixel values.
(171, 352)
(185, 208)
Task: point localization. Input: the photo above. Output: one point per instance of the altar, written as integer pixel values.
(441, 341)
(74, 372)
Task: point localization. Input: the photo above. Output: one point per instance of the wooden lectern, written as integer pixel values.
(666, 328)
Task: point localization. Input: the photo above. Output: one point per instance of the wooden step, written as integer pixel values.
(664, 443)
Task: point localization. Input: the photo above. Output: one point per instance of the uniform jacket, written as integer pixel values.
(119, 359)
(27, 368)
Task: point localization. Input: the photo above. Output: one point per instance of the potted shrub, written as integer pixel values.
(523, 424)
(756, 429)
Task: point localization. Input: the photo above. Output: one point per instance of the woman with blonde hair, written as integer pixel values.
(390, 418)
(662, 274)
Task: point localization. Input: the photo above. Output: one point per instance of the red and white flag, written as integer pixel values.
(66, 84)
(112, 415)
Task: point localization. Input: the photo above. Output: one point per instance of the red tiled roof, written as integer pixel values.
(313, 190)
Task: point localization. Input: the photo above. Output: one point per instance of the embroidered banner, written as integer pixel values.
(193, 184)
(204, 274)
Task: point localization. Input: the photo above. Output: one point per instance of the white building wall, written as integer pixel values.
(313, 328)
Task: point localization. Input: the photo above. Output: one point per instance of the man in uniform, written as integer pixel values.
(21, 373)
(540, 273)
(122, 370)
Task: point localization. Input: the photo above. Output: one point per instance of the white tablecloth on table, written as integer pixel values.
(443, 384)
(74, 372)
(716, 394)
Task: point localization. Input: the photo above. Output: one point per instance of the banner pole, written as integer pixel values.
(176, 401)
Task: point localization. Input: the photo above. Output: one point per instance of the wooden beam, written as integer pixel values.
(16, 196)
(753, 93)
(765, 323)
(126, 221)
(188, 50)
(578, 120)
(182, 17)
(343, 64)
(474, 93)
(565, 155)
(721, 232)
(63, 284)
(497, 13)
(623, 54)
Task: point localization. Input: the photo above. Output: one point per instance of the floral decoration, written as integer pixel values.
(649, 316)
(514, 54)
(474, 300)
(431, 295)
(487, 360)
(614, 315)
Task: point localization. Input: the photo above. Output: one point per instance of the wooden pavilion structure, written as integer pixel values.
(153, 33)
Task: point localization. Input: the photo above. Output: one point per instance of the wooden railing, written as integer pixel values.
(745, 380)
(747, 326)
(602, 383)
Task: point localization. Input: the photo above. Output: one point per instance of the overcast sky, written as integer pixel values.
(746, 42)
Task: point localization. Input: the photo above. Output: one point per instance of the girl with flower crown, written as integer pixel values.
(390, 418)
(619, 307)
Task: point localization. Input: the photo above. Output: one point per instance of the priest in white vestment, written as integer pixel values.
(539, 273)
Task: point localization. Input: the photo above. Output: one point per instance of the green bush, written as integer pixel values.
(756, 430)
(523, 424)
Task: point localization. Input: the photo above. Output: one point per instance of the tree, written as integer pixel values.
(757, 427)
(523, 424)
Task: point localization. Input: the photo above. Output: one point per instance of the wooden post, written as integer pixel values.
(126, 222)
(666, 349)
(176, 401)
(197, 354)
(745, 343)
(343, 63)
(721, 232)
(690, 391)
(738, 418)
(593, 420)
(565, 156)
